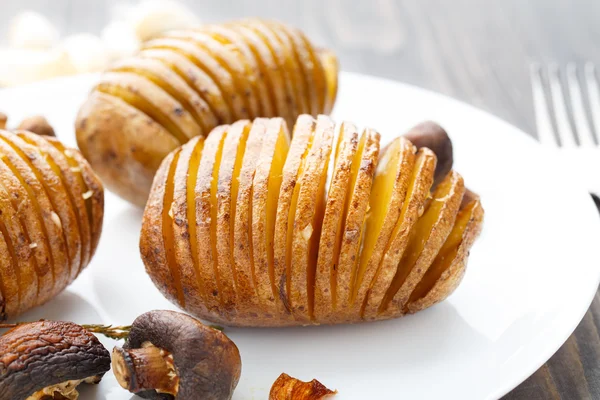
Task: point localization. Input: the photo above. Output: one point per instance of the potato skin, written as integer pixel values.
(188, 82)
(409, 240)
(51, 212)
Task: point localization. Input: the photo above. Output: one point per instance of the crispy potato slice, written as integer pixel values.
(152, 101)
(286, 204)
(74, 189)
(184, 229)
(289, 388)
(231, 61)
(333, 221)
(282, 62)
(242, 249)
(413, 207)
(62, 214)
(234, 147)
(94, 191)
(426, 238)
(169, 81)
(17, 274)
(107, 129)
(196, 78)
(308, 220)
(154, 240)
(387, 196)
(269, 71)
(448, 268)
(355, 209)
(206, 216)
(205, 62)
(234, 41)
(265, 194)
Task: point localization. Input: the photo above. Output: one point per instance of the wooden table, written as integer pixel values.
(476, 51)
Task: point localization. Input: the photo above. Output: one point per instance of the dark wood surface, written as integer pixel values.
(474, 50)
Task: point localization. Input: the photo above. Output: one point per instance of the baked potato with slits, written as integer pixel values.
(51, 211)
(188, 82)
(249, 227)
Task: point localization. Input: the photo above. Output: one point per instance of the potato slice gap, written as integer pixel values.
(206, 218)
(421, 180)
(387, 196)
(152, 101)
(265, 194)
(227, 189)
(310, 208)
(333, 221)
(196, 78)
(352, 230)
(169, 81)
(242, 250)
(448, 268)
(286, 205)
(426, 238)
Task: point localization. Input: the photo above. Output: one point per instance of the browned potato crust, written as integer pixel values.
(186, 83)
(277, 245)
(47, 200)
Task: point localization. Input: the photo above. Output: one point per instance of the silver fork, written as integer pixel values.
(569, 120)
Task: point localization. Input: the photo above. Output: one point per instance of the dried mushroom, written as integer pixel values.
(49, 359)
(288, 388)
(38, 125)
(172, 355)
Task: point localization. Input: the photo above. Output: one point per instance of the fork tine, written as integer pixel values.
(542, 113)
(594, 95)
(563, 126)
(586, 137)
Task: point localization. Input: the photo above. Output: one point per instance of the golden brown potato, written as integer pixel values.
(188, 82)
(51, 211)
(245, 228)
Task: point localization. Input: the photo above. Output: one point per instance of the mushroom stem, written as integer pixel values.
(145, 368)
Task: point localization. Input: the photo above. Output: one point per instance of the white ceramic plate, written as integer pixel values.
(530, 279)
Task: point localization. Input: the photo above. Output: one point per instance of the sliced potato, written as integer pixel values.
(227, 188)
(196, 78)
(286, 205)
(243, 232)
(265, 193)
(355, 209)
(422, 177)
(426, 238)
(448, 268)
(388, 192)
(333, 219)
(310, 208)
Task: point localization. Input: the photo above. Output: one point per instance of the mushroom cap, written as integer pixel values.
(431, 135)
(207, 361)
(40, 354)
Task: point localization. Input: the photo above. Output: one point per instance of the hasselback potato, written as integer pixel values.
(51, 211)
(245, 228)
(186, 83)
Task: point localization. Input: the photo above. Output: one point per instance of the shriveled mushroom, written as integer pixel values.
(38, 125)
(289, 388)
(431, 135)
(49, 359)
(172, 354)
(3, 119)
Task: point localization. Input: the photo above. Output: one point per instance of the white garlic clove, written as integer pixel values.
(31, 30)
(21, 66)
(87, 52)
(120, 40)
